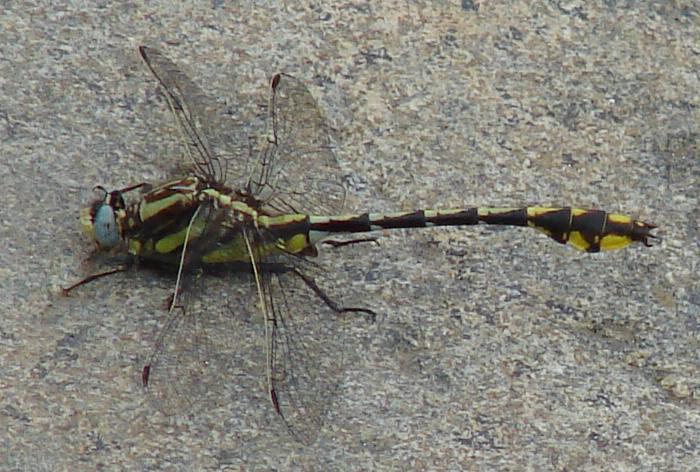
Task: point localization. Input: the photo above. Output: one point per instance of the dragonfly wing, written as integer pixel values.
(192, 356)
(306, 345)
(215, 144)
(181, 370)
(298, 171)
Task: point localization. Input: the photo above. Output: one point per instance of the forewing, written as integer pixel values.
(190, 366)
(182, 370)
(215, 144)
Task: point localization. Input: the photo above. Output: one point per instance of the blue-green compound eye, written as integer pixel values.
(106, 231)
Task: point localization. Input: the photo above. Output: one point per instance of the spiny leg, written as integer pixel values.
(336, 243)
(329, 302)
(90, 278)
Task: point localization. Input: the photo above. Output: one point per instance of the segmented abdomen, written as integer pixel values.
(586, 230)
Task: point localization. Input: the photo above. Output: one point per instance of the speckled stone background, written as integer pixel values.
(495, 349)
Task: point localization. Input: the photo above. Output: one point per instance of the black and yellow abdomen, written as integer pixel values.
(585, 230)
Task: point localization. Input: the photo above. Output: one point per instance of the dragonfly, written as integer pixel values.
(264, 214)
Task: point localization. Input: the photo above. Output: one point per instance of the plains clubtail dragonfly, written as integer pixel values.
(267, 220)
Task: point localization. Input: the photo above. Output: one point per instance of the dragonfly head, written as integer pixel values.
(101, 222)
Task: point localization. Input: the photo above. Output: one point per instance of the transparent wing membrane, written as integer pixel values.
(298, 171)
(183, 368)
(186, 365)
(215, 145)
(207, 349)
(299, 143)
(303, 330)
(305, 343)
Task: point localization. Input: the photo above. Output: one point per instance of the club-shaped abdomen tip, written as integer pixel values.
(642, 233)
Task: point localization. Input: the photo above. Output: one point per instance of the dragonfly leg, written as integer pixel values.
(372, 316)
(90, 278)
(335, 243)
